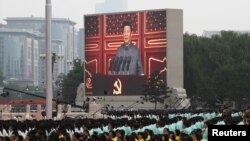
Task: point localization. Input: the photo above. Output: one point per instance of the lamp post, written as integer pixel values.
(104, 94)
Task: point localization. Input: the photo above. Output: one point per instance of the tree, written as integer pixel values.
(59, 84)
(156, 89)
(217, 66)
(72, 81)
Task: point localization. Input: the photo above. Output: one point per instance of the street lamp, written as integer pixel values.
(105, 93)
(27, 88)
(37, 88)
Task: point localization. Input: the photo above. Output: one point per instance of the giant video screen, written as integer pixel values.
(123, 49)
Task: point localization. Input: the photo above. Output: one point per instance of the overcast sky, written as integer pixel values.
(199, 15)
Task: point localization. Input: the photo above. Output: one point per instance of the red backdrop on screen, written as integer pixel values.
(104, 34)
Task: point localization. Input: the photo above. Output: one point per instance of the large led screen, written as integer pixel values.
(110, 56)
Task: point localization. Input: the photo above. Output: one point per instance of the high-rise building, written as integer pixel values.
(19, 54)
(108, 6)
(57, 59)
(63, 38)
(80, 43)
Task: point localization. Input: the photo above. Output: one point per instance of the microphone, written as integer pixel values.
(111, 63)
(119, 64)
(115, 63)
(124, 63)
(128, 62)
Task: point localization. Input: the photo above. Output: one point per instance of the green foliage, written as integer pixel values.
(156, 89)
(217, 66)
(71, 82)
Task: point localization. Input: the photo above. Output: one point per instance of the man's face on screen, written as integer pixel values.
(127, 34)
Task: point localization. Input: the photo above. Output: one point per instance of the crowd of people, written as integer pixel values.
(144, 125)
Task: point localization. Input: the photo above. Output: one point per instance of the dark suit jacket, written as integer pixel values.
(135, 67)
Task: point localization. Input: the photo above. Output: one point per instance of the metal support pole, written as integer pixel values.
(49, 93)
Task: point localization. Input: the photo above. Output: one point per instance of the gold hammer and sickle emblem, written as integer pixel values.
(117, 87)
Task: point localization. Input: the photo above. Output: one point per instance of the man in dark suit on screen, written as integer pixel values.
(128, 60)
